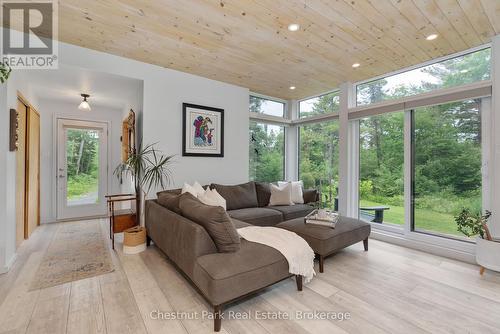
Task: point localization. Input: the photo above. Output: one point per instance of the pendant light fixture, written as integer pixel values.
(84, 106)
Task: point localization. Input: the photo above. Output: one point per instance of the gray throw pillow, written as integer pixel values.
(239, 196)
(214, 219)
(170, 201)
(263, 193)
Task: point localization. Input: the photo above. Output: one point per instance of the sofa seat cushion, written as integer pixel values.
(293, 211)
(257, 216)
(225, 276)
(239, 224)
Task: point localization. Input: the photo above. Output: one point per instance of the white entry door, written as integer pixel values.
(82, 164)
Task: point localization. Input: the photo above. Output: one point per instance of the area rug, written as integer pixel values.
(77, 251)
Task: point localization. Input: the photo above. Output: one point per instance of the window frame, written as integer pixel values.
(272, 99)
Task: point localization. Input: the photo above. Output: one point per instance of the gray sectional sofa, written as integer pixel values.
(224, 268)
(222, 278)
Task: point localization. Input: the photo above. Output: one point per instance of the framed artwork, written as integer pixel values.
(202, 131)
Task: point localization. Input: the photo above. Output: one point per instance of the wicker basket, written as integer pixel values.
(134, 240)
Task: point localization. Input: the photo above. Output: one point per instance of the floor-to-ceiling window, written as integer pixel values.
(438, 156)
(267, 152)
(446, 165)
(319, 146)
(318, 158)
(381, 168)
(267, 142)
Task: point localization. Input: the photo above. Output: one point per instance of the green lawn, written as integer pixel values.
(424, 219)
(81, 185)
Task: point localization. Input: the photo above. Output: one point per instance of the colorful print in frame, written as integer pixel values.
(202, 131)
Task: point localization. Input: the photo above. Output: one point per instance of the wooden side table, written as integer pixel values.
(120, 220)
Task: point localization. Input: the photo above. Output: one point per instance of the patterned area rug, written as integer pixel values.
(77, 251)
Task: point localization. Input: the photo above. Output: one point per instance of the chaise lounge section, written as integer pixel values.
(221, 278)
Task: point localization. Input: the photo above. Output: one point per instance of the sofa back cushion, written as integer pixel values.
(214, 219)
(239, 196)
(170, 201)
(263, 190)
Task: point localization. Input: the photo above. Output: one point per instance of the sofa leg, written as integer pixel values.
(298, 280)
(148, 241)
(321, 263)
(217, 318)
(365, 244)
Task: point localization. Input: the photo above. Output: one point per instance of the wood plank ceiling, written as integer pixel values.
(246, 42)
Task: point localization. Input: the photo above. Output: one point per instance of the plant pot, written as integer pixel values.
(488, 254)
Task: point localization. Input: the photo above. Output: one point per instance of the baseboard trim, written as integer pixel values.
(5, 269)
(426, 247)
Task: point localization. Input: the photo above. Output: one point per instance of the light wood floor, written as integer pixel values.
(389, 289)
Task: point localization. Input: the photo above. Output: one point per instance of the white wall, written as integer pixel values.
(164, 92)
(50, 110)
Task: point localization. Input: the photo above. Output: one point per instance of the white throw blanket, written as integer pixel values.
(298, 253)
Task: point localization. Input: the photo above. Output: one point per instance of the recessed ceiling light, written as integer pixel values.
(355, 65)
(292, 87)
(431, 37)
(293, 27)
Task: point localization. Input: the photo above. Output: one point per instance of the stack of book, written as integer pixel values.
(322, 218)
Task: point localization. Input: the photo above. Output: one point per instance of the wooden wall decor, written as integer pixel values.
(14, 130)
(128, 136)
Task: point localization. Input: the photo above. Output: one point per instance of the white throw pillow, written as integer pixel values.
(213, 198)
(281, 195)
(196, 189)
(297, 193)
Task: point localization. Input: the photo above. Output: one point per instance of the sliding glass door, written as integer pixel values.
(446, 165)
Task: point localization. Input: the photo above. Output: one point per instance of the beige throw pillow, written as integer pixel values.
(215, 220)
(297, 193)
(213, 198)
(281, 195)
(196, 189)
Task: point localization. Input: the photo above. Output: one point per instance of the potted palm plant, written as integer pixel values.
(148, 168)
(487, 248)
